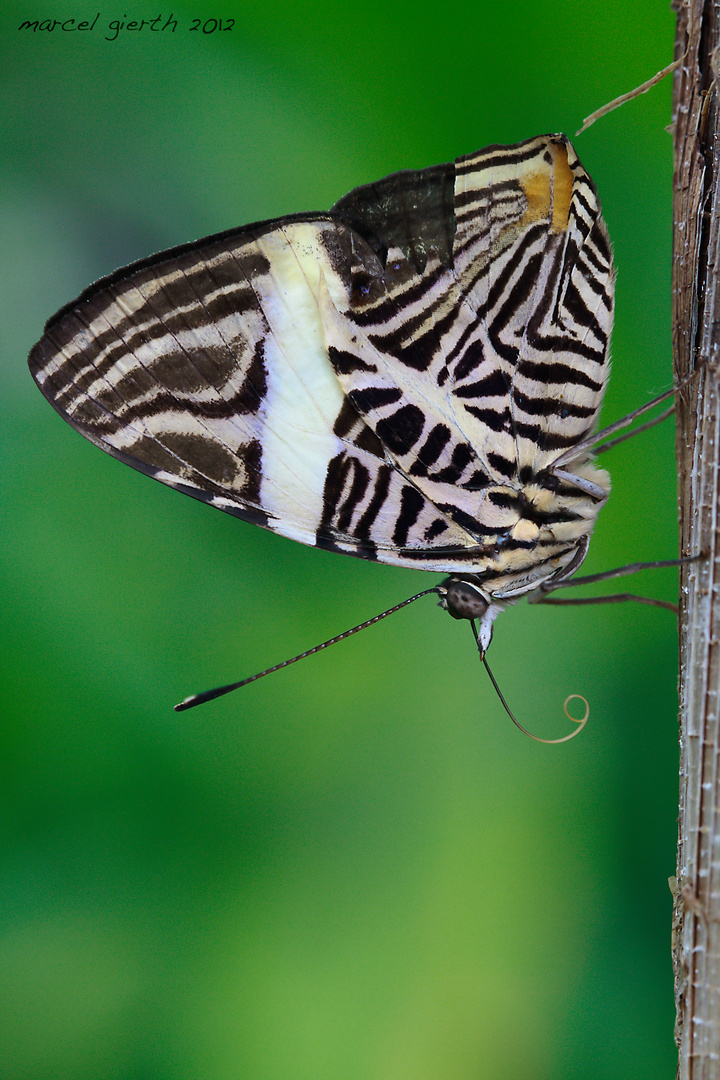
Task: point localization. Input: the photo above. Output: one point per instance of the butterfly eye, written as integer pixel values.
(464, 599)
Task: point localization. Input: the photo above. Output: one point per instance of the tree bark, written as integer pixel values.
(696, 340)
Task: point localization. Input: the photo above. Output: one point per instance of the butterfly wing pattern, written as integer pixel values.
(393, 379)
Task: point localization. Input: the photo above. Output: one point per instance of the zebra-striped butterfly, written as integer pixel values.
(412, 377)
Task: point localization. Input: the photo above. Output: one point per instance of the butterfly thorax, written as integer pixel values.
(548, 541)
(541, 528)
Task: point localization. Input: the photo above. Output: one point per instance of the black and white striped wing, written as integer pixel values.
(392, 379)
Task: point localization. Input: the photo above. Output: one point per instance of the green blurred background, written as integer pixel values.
(356, 869)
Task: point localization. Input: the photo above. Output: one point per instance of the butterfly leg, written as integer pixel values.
(541, 595)
(612, 598)
(591, 443)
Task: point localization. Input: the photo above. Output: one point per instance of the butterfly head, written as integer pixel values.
(465, 599)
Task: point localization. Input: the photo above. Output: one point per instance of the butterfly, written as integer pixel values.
(413, 377)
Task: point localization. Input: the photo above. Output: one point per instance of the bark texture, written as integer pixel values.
(696, 338)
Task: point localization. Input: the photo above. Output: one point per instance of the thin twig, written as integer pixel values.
(618, 101)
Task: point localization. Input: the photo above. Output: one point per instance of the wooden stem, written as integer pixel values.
(696, 339)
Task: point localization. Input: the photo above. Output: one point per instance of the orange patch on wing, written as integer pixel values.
(563, 180)
(537, 189)
(548, 190)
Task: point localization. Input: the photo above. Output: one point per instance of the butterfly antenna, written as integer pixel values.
(582, 721)
(209, 695)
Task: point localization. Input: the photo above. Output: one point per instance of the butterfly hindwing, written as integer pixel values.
(391, 379)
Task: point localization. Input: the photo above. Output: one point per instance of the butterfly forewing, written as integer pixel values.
(392, 379)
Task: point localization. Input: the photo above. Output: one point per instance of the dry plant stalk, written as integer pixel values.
(696, 339)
